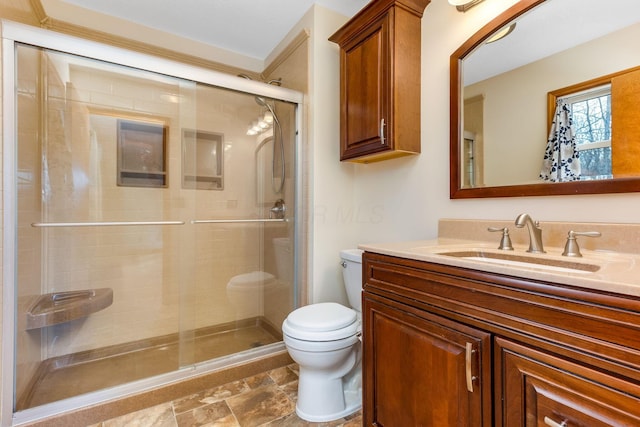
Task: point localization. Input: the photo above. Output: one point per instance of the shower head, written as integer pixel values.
(260, 100)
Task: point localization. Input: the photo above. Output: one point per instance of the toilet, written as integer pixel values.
(324, 340)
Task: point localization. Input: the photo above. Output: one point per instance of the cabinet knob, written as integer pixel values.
(548, 421)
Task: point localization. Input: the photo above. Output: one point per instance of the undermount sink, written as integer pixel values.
(517, 260)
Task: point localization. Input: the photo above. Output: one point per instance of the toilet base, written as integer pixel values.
(350, 387)
(353, 402)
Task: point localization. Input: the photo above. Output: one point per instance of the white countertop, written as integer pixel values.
(618, 272)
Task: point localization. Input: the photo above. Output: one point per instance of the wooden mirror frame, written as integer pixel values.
(616, 185)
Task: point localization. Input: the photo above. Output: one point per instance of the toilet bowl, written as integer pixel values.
(324, 340)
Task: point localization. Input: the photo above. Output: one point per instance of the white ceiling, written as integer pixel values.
(249, 27)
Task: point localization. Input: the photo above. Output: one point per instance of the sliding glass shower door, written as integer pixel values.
(155, 224)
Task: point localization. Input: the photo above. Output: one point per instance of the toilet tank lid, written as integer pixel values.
(354, 255)
(322, 317)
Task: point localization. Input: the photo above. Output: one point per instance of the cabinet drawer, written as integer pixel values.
(540, 389)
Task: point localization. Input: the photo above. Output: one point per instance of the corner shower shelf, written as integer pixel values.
(60, 307)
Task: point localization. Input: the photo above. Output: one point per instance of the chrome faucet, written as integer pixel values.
(535, 232)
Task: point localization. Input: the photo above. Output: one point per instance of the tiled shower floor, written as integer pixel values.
(76, 375)
(265, 399)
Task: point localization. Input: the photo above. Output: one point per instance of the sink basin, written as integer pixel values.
(514, 260)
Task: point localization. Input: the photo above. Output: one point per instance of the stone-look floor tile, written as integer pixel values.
(216, 414)
(260, 406)
(292, 420)
(157, 416)
(354, 420)
(291, 389)
(295, 368)
(210, 396)
(283, 375)
(259, 380)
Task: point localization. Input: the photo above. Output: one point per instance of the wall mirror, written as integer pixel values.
(503, 93)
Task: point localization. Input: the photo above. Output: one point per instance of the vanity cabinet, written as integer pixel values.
(451, 346)
(380, 81)
(407, 349)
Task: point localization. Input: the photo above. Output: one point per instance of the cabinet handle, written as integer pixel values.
(382, 131)
(548, 421)
(469, 374)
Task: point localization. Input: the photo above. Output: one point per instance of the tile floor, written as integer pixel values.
(265, 399)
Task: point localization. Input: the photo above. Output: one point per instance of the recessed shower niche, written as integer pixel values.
(142, 153)
(202, 160)
(83, 120)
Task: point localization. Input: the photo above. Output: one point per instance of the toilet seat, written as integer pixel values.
(321, 322)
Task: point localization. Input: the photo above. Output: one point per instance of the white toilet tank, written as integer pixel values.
(352, 274)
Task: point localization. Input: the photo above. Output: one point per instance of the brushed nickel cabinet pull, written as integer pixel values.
(469, 374)
(382, 131)
(548, 421)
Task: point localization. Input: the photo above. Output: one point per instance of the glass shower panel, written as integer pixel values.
(101, 220)
(242, 281)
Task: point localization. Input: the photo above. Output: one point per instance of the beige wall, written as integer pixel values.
(415, 191)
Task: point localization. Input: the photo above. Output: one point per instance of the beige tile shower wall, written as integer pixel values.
(163, 278)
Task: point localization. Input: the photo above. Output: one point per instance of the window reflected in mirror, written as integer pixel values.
(591, 118)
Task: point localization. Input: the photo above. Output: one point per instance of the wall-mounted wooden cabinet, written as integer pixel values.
(449, 346)
(380, 81)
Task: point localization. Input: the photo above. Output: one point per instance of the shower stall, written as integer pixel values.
(150, 221)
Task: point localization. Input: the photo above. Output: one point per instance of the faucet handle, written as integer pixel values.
(571, 248)
(505, 242)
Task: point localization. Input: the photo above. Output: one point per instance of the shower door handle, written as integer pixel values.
(235, 221)
(103, 223)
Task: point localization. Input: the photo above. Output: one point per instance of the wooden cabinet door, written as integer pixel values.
(423, 370)
(539, 389)
(365, 92)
